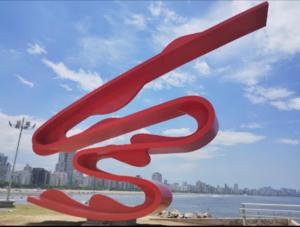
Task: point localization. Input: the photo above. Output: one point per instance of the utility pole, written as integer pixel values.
(22, 125)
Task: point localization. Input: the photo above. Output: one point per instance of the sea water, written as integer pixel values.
(217, 205)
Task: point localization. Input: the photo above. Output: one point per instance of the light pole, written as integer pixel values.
(22, 125)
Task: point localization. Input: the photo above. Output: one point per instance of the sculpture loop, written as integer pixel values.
(51, 137)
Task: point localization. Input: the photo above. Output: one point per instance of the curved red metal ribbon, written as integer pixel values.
(51, 137)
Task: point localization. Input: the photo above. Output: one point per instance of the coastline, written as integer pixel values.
(27, 191)
(31, 215)
(218, 206)
(37, 191)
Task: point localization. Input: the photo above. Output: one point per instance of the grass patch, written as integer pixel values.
(28, 210)
(31, 215)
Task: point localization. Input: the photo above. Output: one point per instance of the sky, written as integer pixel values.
(53, 53)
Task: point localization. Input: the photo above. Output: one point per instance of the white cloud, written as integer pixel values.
(24, 81)
(280, 105)
(9, 137)
(125, 138)
(83, 25)
(195, 92)
(273, 93)
(280, 98)
(289, 141)
(66, 87)
(86, 80)
(277, 41)
(232, 138)
(259, 94)
(168, 26)
(213, 149)
(250, 74)
(207, 152)
(182, 168)
(282, 35)
(172, 79)
(159, 9)
(155, 8)
(122, 139)
(202, 67)
(95, 51)
(203, 153)
(291, 104)
(74, 131)
(174, 25)
(36, 49)
(294, 103)
(223, 138)
(177, 132)
(136, 20)
(251, 125)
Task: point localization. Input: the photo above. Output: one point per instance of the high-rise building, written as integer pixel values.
(40, 177)
(28, 168)
(175, 187)
(23, 177)
(59, 179)
(227, 189)
(157, 177)
(200, 186)
(65, 165)
(186, 187)
(128, 186)
(235, 189)
(94, 182)
(4, 168)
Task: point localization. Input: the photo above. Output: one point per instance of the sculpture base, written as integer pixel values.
(7, 204)
(109, 223)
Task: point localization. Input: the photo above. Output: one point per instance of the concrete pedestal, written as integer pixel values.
(110, 223)
(6, 204)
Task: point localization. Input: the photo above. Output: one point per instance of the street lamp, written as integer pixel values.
(22, 125)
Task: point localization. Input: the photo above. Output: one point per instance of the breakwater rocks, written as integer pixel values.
(178, 214)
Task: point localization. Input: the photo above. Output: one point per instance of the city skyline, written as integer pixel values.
(65, 175)
(251, 83)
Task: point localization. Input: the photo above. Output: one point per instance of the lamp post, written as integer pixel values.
(22, 125)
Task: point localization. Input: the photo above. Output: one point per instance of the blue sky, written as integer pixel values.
(53, 53)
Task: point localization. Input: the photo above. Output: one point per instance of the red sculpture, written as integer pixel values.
(51, 137)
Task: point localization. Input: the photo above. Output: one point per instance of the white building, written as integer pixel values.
(5, 168)
(23, 177)
(236, 189)
(157, 177)
(59, 179)
(88, 181)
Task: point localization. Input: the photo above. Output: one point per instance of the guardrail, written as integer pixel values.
(269, 211)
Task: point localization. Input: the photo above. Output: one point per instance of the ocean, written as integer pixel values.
(217, 205)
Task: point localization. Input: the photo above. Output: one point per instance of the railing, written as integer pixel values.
(269, 211)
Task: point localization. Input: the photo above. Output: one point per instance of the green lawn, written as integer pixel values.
(28, 210)
(31, 215)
